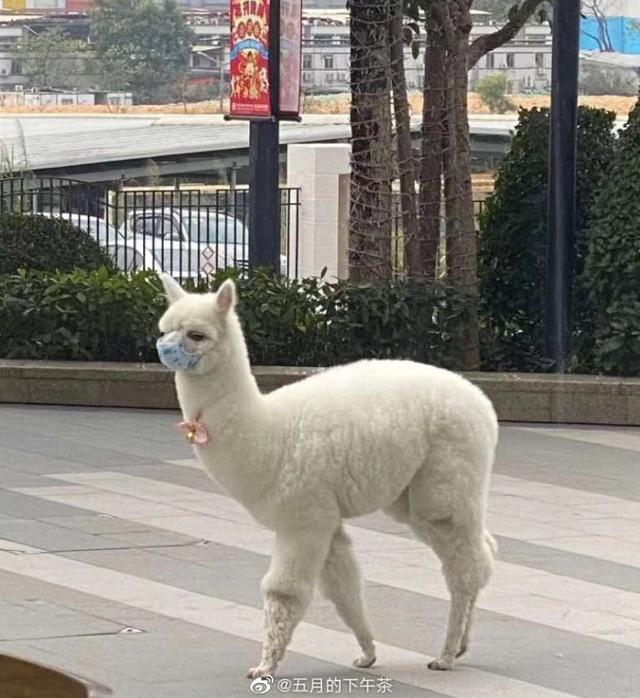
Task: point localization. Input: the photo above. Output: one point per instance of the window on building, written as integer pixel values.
(307, 61)
(491, 61)
(539, 60)
(328, 62)
(511, 60)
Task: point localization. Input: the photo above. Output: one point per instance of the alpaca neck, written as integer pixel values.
(228, 403)
(229, 386)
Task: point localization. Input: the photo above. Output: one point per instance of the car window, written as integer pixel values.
(145, 225)
(157, 226)
(212, 228)
(167, 228)
(234, 230)
(152, 226)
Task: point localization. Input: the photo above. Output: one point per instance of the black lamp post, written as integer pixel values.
(562, 181)
(264, 165)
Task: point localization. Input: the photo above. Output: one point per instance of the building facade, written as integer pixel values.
(60, 98)
(526, 61)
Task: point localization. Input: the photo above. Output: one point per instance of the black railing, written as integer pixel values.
(398, 241)
(188, 233)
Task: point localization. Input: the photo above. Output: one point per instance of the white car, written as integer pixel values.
(126, 255)
(188, 242)
(182, 242)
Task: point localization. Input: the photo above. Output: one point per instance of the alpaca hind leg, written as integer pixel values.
(287, 589)
(458, 621)
(341, 583)
(492, 548)
(464, 642)
(467, 563)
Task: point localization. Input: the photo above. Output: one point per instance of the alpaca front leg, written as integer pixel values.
(287, 589)
(341, 583)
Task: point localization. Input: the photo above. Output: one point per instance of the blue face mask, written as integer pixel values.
(173, 354)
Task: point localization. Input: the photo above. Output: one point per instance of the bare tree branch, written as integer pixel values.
(595, 38)
(488, 42)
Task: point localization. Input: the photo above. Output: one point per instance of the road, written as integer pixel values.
(120, 561)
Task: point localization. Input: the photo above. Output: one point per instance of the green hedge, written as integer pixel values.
(110, 316)
(612, 269)
(513, 240)
(37, 242)
(99, 315)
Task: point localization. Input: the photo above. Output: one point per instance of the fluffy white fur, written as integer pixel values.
(413, 440)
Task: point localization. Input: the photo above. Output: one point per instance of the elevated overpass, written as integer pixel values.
(102, 148)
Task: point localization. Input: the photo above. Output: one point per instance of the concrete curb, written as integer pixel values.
(517, 397)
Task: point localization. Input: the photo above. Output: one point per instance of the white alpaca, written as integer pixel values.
(414, 440)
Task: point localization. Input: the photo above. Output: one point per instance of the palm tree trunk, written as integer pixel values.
(433, 124)
(404, 147)
(370, 214)
(462, 259)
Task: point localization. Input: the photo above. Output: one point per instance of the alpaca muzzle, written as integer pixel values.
(172, 353)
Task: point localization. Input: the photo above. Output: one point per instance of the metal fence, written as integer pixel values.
(188, 233)
(398, 238)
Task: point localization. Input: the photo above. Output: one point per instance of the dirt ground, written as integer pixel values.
(331, 104)
(339, 104)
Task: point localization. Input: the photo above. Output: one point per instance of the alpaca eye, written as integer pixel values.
(195, 336)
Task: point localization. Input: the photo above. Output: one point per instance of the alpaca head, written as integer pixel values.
(195, 327)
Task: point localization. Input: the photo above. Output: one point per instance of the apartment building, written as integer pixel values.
(325, 67)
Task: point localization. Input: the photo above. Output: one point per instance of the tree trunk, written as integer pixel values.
(453, 19)
(404, 147)
(424, 260)
(371, 150)
(463, 272)
(462, 259)
(449, 154)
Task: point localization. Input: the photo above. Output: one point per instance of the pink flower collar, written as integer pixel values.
(194, 431)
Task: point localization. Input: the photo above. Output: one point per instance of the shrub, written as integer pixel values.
(36, 242)
(493, 92)
(312, 323)
(110, 316)
(99, 315)
(513, 238)
(612, 269)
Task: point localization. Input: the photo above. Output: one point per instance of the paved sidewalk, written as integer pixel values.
(121, 561)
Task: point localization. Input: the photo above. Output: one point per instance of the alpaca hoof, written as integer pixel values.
(440, 664)
(263, 671)
(461, 651)
(365, 661)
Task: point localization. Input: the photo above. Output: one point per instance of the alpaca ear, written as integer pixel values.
(226, 297)
(172, 289)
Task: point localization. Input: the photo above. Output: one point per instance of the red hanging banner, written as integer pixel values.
(290, 57)
(250, 96)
